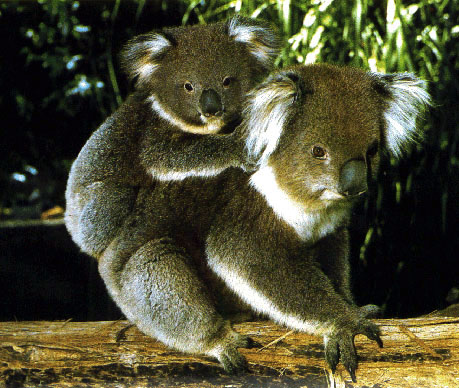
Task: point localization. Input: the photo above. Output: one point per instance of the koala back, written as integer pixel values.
(104, 177)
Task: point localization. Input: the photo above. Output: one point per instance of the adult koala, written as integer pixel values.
(278, 237)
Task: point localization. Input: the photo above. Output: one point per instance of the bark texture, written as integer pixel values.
(422, 352)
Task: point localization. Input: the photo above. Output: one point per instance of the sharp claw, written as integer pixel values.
(352, 374)
(340, 347)
(333, 368)
(375, 336)
(351, 368)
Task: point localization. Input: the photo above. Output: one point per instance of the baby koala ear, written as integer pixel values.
(268, 109)
(406, 98)
(261, 40)
(141, 56)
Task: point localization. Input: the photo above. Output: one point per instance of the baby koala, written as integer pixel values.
(190, 84)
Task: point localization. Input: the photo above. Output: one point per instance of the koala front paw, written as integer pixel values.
(339, 345)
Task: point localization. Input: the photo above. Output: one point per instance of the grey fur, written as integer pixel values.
(276, 238)
(161, 131)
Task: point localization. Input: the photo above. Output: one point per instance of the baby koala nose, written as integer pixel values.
(353, 178)
(211, 104)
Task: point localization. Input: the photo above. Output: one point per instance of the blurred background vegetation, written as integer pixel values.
(60, 79)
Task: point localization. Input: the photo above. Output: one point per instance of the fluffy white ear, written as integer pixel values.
(261, 40)
(406, 99)
(141, 55)
(268, 109)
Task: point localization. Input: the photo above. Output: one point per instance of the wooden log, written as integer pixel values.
(422, 352)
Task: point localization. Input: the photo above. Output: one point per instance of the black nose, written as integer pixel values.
(353, 178)
(211, 104)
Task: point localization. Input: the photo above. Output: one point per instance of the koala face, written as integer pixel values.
(196, 77)
(210, 93)
(331, 124)
(338, 128)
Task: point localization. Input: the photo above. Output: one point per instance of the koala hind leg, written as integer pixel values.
(159, 290)
(103, 215)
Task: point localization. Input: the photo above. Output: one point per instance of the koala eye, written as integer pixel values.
(373, 149)
(226, 81)
(188, 87)
(319, 152)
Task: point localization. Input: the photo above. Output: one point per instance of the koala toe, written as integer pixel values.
(331, 352)
(348, 355)
(372, 331)
(339, 345)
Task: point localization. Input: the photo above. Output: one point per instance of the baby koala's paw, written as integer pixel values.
(339, 344)
(244, 160)
(249, 166)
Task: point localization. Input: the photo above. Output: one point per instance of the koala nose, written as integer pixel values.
(211, 104)
(353, 178)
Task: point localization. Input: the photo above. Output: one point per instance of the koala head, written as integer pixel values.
(196, 77)
(318, 131)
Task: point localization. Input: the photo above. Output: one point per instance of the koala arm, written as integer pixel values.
(290, 290)
(168, 155)
(333, 257)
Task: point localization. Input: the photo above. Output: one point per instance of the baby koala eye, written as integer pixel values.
(318, 152)
(188, 87)
(227, 81)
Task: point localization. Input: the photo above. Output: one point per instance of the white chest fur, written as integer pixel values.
(309, 225)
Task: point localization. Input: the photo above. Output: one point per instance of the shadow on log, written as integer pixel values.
(422, 352)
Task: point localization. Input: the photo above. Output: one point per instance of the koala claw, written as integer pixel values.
(373, 332)
(340, 346)
(244, 341)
